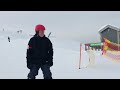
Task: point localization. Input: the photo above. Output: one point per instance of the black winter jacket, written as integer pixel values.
(39, 52)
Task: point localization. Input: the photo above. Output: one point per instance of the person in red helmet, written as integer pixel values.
(39, 54)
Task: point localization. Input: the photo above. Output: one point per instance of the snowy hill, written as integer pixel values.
(66, 60)
(13, 34)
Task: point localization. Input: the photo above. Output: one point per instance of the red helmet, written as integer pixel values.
(39, 27)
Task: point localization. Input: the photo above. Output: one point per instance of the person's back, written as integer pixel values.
(39, 54)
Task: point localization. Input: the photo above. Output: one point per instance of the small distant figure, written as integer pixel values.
(17, 31)
(9, 39)
(20, 31)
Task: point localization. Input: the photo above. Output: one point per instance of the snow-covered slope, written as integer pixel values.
(66, 60)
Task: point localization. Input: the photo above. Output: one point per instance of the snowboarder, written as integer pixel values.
(39, 54)
(8, 38)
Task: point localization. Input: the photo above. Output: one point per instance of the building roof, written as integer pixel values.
(109, 26)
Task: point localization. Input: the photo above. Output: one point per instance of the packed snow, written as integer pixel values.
(66, 60)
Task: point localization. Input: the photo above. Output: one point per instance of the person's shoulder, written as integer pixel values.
(48, 39)
(32, 38)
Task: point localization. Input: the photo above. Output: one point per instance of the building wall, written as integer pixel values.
(109, 34)
(119, 37)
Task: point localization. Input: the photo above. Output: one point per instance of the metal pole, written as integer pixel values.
(49, 34)
(80, 55)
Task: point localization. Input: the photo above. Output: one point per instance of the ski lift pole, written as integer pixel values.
(49, 34)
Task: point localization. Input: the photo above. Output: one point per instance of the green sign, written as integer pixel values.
(95, 44)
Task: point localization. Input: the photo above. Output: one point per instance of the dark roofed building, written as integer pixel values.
(110, 32)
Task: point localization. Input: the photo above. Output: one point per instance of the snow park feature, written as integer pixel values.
(107, 57)
(90, 49)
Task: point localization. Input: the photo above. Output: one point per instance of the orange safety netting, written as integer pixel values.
(111, 50)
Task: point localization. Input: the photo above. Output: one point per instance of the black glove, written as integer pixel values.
(50, 63)
(29, 64)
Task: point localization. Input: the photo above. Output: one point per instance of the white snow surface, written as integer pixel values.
(66, 60)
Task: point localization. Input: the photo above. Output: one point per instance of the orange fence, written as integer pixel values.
(111, 50)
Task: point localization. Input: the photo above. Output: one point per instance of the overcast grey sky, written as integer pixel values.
(70, 24)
